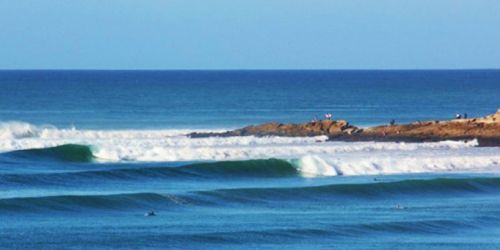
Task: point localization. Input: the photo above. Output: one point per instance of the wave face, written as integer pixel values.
(271, 168)
(68, 187)
(435, 188)
(66, 152)
(311, 156)
(249, 168)
(85, 202)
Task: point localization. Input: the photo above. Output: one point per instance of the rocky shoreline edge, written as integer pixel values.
(486, 130)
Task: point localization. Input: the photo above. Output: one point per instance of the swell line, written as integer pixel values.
(440, 187)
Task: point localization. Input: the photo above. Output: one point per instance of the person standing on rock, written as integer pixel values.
(328, 116)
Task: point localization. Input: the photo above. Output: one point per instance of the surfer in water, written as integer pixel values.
(398, 206)
(150, 213)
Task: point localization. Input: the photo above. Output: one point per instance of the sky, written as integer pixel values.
(249, 34)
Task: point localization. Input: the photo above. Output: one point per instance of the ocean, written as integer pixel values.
(86, 155)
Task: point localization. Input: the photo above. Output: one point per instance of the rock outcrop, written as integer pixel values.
(486, 130)
(325, 127)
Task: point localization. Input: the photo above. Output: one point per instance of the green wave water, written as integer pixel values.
(66, 153)
(65, 197)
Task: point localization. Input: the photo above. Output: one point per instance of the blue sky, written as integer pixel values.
(250, 34)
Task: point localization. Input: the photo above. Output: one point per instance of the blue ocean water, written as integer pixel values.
(85, 155)
(173, 99)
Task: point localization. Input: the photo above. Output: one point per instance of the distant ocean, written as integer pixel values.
(85, 155)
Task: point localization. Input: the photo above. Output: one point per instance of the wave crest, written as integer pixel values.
(312, 156)
(441, 187)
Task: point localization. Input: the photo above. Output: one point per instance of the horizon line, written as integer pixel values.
(292, 69)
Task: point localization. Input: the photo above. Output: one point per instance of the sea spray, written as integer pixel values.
(311, 156)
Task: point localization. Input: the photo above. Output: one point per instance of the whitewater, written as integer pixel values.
(312, 156)
(84, 155)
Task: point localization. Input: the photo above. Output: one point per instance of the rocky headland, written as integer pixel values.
(485, 129)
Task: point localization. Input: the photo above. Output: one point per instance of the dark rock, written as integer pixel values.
(486, 130)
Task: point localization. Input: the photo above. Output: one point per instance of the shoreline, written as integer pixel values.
(486, 130)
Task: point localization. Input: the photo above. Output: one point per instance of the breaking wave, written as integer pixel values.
(66, 152)
(271, 168)
(308, 156)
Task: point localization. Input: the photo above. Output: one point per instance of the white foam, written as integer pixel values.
(313, 166)
(313, 156)
(397, 163)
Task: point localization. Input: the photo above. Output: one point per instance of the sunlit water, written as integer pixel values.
(85, 155)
